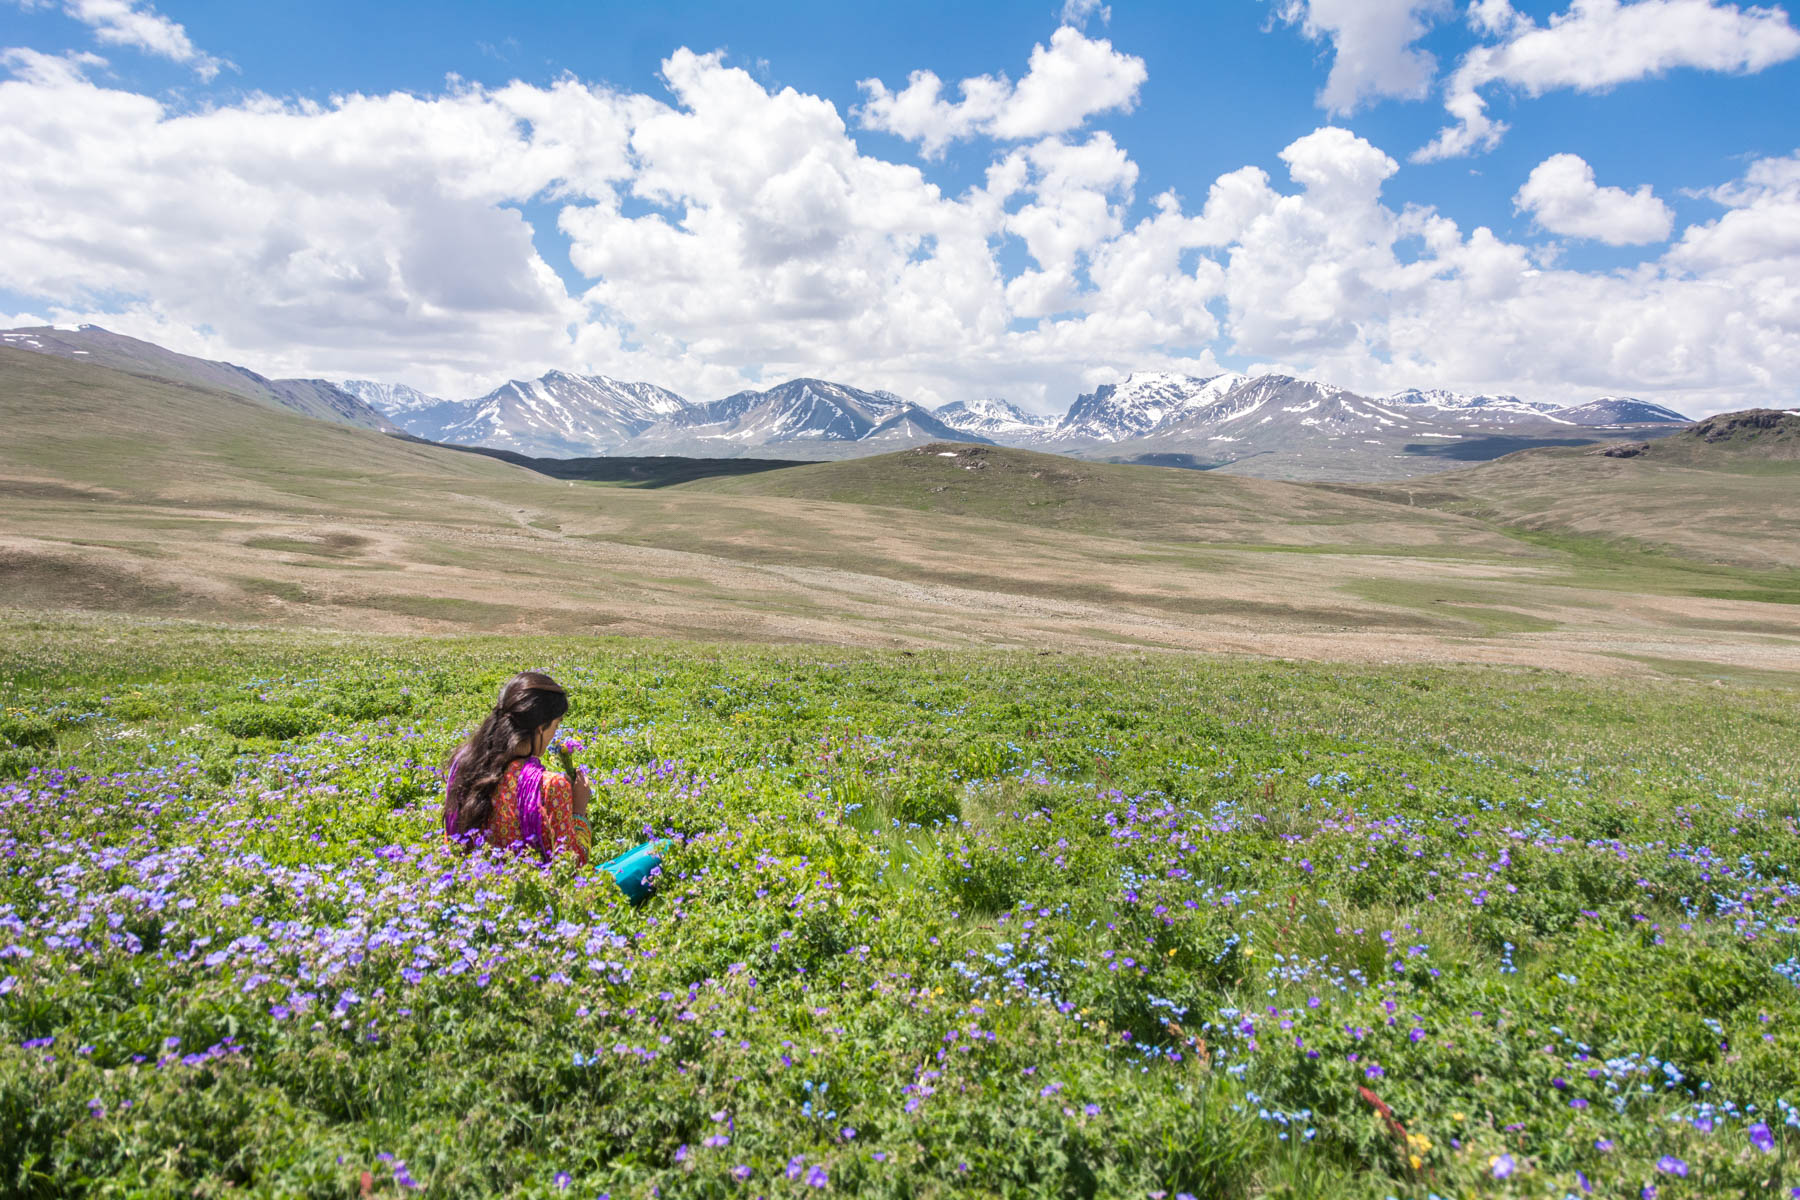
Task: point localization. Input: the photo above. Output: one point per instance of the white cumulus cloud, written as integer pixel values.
(723, 234)
(1330, 280)
(1068, 81)
(1562, 197)
(1373, 46)
(141, 27)
(1077, 12)
(1759, 235)
(1596, 45)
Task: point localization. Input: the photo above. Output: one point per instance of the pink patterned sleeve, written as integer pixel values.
(563, 831)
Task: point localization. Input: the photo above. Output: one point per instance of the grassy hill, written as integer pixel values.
(1738, 441)
(125, 494)
(1157, 504)
(90, 345)
(121, 435)
(1726, 491)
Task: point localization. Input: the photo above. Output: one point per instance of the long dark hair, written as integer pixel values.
(529, 701)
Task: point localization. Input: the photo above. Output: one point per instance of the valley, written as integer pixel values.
(124, 494)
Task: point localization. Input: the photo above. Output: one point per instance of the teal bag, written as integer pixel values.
(631, 870)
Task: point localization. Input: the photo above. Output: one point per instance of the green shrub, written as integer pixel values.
(924, 800)
(277, 722)
(27, 731)
(15, 763)
(368, 705)
(138, 708)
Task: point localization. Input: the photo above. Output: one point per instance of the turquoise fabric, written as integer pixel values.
(631, 869)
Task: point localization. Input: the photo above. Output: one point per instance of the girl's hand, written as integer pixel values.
(580, 792)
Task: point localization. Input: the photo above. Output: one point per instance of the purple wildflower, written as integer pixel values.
(1761, 1137)
(1668, 1164)
(1502, 1165)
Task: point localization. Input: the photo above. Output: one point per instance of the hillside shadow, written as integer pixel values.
(1185, 462)
(650, 472)
(1484, 449)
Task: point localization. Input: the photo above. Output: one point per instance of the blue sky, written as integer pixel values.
(1218, 87)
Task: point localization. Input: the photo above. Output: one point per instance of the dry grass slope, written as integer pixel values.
(132, 495)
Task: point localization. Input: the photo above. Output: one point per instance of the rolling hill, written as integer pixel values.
(1739, 441)
(1105, 499)
(122, 493)
(140, 439)
(91, 344)
(1725, 490)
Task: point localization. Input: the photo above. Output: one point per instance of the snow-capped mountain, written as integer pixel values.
(1266, 424)
(1619, 410)
(1270, 402)
(390, 398)
(1486, 411)
(1284, 427)
(804, 418)
(995, 419)
(1273, 425)
(1143, 403)
(556, 415)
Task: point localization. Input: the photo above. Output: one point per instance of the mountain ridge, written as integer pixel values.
(319, 398)
(1272, 425)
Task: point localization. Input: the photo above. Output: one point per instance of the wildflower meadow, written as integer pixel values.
(934, 924)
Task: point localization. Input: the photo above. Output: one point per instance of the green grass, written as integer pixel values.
(1468, 603)
(1152, 504)
(331, 545)
(1634, 566)
(1706, 672)
(936, 924)
(442, 608)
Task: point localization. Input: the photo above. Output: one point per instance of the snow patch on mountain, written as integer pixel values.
(1619, 410)
(1462, 401)
(390, 398)
(995, 418)
(559, 414)
(804, 416)
(1145, 402)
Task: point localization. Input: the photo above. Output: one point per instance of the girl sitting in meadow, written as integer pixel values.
(499, 794)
